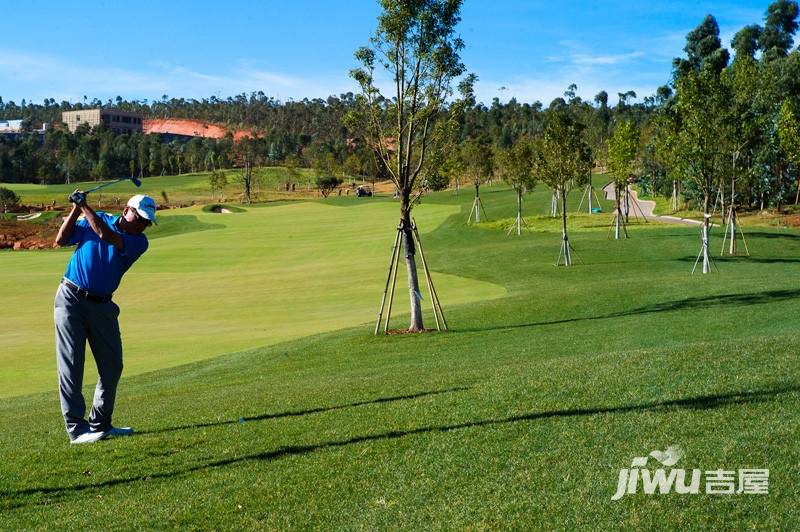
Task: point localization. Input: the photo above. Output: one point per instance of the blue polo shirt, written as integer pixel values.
(98, 266)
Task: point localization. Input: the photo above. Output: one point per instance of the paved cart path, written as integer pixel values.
(647, 207)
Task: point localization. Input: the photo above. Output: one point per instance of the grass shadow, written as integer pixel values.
(764, 234)
(294, 413)
(723, 300)
(692, 403)
(743, 258)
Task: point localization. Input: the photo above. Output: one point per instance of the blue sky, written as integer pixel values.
(531, 50)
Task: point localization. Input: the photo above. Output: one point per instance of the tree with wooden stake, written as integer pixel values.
(623, 147)
(415, 43)
(565, 160)
(702, 102)
(741, 79)
(477, 167)
(661, 147)
(515, 165)
(591, 199)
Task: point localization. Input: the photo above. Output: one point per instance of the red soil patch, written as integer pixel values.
(192, 128)
(24, 235)
(792, 220)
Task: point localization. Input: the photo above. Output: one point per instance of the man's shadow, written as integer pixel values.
(293, 413)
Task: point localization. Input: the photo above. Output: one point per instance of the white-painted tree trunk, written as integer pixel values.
(554, 204)
(618, 217)
(706, 219)
(674, 195)
(413, 281)
(564, 237)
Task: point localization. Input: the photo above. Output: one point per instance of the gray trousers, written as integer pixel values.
(78, 320)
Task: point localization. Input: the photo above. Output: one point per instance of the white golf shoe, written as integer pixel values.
(88, 437)
(94, 436)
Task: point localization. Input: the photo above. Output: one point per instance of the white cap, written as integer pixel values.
(144, 205)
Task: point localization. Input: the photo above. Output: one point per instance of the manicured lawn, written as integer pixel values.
(520, 417)
(216, 283)
(181, 189)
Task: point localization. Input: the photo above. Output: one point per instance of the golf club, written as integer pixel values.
(136, 181)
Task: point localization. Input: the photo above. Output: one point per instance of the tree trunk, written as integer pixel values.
(414, 295)
(519, 211)
(797, 196)
(674, 195)
(618, 218)
(477, 203)
(564, 238)
(247, 181)
(627, 203)
(706, 218)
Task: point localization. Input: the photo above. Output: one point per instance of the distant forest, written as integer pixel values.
(307, 133)
(727, 118)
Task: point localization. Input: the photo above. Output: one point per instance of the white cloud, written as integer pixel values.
(592, 73)
(586, 59)
(36, 77)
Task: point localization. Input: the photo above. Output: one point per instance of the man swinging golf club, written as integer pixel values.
(107, 246)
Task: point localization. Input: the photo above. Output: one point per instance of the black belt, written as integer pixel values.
(85, 294)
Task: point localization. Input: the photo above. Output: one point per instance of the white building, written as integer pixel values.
(10, 126)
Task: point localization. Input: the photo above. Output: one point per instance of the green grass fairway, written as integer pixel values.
(180, 189)
(520, 417)
(217, 283)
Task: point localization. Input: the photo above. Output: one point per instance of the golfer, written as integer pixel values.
(107, 246)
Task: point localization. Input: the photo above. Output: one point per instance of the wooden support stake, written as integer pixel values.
(388, 280)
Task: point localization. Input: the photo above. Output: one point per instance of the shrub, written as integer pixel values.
(8, 199)
(326, 184)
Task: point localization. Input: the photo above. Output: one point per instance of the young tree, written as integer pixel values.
(326, 185)
(352, 166)
(623, 148)
(516, 167)
(564, 160)
(477, 167)
(217, 181)
(700, 154)
(789, 139)
(703, 109)
(8, 199)
(415, 43)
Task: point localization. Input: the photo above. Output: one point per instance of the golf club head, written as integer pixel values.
(136, 181)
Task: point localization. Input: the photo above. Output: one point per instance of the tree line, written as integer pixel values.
(722, 130)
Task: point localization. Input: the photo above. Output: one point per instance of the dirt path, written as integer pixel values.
(647, 207)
